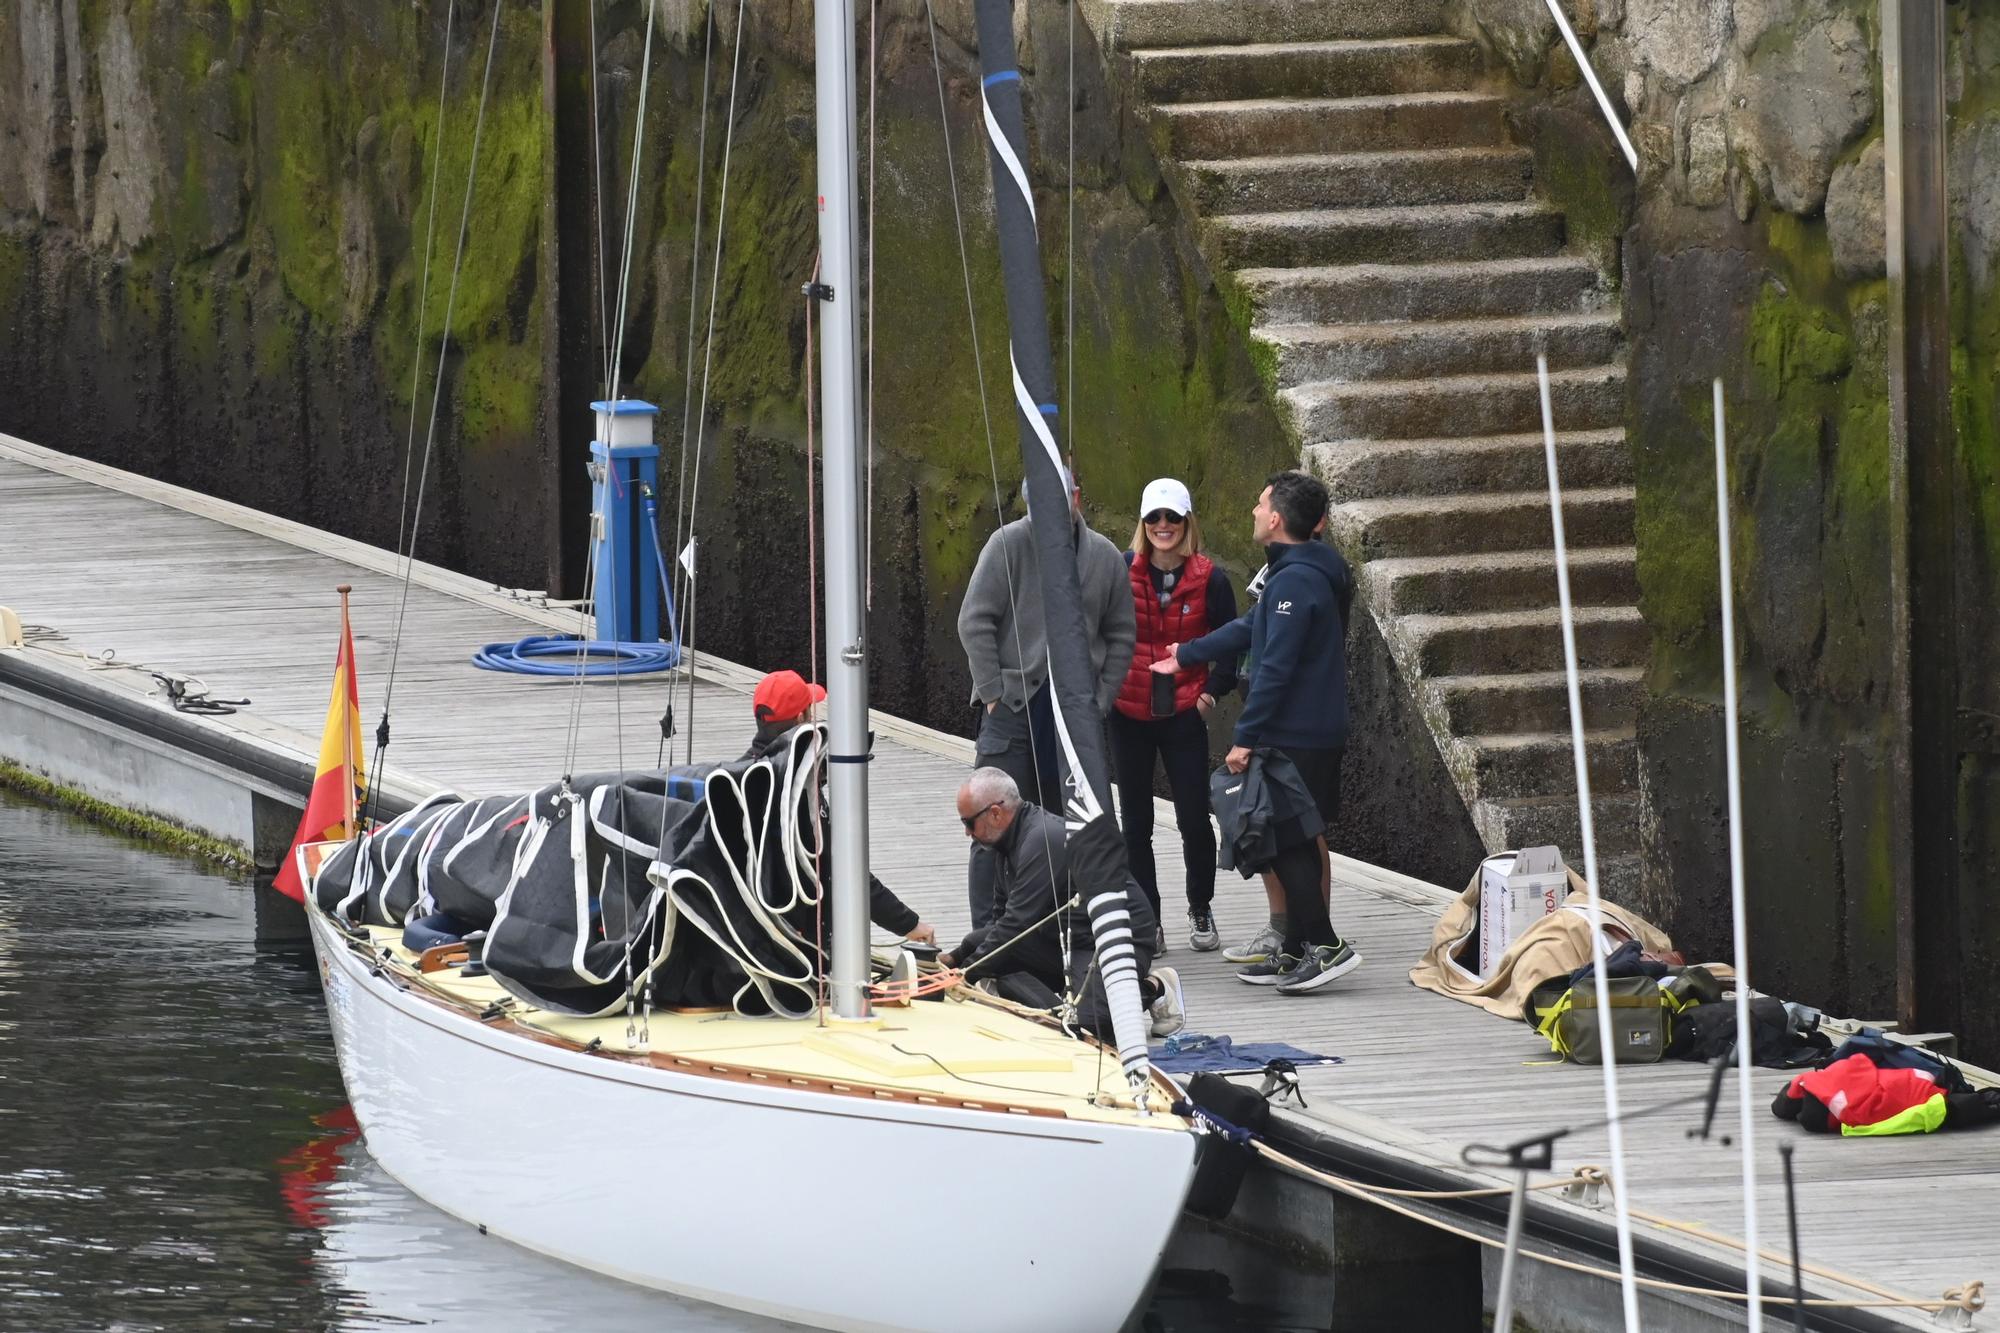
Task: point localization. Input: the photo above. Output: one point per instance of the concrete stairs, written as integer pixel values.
(1352, 187)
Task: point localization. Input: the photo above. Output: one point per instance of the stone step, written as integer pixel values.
(1495, 642)
(1365, 469)
(1501, 581)
(1535, 700)
(1380, 235)
(1138, 24)
(1586, 399)
(1356, 294)
(1439, 347)
(1552, 821)
(1508, 521)
(1432, 63)
(1524, 764)
(1620, 879)
(1264, 126)
(1360, 180)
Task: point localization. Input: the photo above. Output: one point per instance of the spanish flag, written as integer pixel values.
(339, 782)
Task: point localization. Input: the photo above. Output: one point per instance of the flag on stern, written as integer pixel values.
(338, 782)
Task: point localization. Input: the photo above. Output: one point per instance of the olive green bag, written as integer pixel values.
(1639, 1021)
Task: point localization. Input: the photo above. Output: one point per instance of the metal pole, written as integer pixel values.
(1923, 689)
(846, 636)
(1792, 1220)
(1596, 88)
(1738, 910)
(1614, 1130)
(1503, 1303)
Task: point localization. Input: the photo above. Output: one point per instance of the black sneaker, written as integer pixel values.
(1327, 963)
(1275, 970)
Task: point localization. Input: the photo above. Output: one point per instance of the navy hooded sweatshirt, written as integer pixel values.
(1297, 637)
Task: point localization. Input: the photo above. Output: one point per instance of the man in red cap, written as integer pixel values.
(783, 700)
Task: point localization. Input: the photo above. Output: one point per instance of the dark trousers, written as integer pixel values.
(1023, 745)
(1039, 989)
(1298, 866)
(1180, 744)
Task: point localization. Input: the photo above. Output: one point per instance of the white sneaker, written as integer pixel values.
(1169, 1012)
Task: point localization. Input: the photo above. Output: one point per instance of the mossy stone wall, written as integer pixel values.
(1752, 250)
(212, 245)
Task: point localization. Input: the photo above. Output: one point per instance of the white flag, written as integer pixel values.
(687, 557)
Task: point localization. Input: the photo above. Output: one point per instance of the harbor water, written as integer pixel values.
(176, 1151)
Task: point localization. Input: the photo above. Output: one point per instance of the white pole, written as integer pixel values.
(846, 662)
(1628, 1285)
(1738, 913)
(1596, 88)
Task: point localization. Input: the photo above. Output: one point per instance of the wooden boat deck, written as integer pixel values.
(246, 602)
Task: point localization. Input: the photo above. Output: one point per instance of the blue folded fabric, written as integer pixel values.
(1197, 1053)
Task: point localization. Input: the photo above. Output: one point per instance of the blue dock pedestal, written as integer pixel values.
(624, 471)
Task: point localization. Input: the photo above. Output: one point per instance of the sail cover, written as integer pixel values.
(1096, 851)
(695, 886)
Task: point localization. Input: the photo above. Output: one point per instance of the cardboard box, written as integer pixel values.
(1516, 889)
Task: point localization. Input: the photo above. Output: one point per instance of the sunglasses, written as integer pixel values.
(973, 818)
(1165, 516)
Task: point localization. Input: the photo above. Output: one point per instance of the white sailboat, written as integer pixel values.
(730, 1153)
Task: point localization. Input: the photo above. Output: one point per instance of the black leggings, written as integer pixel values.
(1297, 869)
(1181, 744)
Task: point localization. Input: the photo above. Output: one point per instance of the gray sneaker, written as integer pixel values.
(1257, 948)
(1326, 964)
(1201, 933)
(1273, 971)
(1160, 942)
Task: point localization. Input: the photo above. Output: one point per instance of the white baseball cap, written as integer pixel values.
(1168, 494)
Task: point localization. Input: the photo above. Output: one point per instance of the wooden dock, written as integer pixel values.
(186, 584)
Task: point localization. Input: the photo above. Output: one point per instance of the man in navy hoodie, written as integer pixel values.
(1296, 636)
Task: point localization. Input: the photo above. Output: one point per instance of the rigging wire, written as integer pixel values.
(617, 337)
(416, 371)
(424, 286)
(691, 603)
(987, 421)
(597, 201)
(437, 385)
(685, 579)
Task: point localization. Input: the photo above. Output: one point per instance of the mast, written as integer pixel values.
(843, 521)
(1096, 851)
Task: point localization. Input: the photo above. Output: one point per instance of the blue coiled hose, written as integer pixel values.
(556, 654)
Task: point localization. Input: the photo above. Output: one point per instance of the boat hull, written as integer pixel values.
(833, 1210)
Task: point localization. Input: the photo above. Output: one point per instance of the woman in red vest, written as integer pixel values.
(1178, 593)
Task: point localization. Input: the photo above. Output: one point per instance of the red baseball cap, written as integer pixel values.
(783, 696)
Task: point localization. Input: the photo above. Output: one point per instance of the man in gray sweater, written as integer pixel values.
(1005, 637)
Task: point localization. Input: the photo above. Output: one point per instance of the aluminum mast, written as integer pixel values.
(842, 519)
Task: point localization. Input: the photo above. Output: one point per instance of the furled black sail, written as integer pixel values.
(695, 887)
(1096, 851)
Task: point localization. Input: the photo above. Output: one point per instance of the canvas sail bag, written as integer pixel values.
(1639, 1021)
